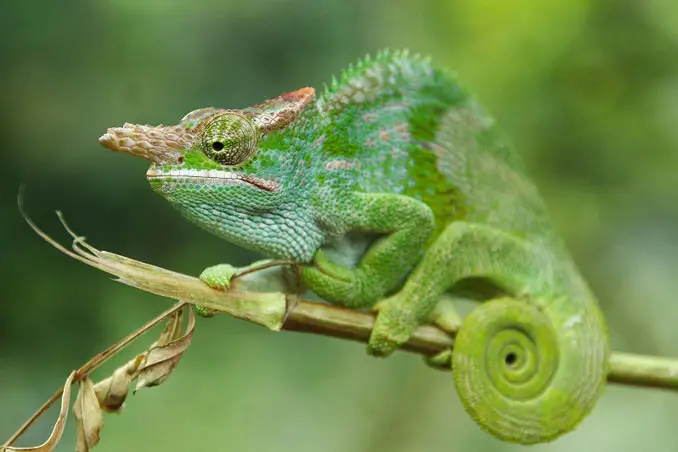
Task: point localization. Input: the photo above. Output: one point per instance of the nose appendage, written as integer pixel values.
(160, 145)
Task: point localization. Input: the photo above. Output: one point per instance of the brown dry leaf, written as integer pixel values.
(57, 431)
(112, 391)
(166, 352)
(89, 415)
(172, 330)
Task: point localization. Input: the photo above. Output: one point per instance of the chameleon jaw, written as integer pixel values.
(212, 177)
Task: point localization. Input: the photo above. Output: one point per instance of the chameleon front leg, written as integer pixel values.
(528, 369)
(407, 225)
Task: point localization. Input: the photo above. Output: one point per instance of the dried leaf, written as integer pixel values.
(112, 391)
(172, 330)
(166, 353)
(89, 415)
(58, 430)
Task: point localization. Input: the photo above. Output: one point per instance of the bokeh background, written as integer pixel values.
(587, 91)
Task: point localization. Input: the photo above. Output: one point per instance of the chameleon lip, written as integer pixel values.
(213, 177)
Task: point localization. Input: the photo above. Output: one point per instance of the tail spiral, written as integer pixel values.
(527, 374)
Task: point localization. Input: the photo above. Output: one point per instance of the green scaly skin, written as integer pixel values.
(394, 191)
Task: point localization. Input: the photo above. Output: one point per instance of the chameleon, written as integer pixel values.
(393, 190)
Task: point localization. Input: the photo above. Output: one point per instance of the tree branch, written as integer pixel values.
(270, 310)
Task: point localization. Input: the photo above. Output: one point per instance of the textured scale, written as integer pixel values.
(393, 188)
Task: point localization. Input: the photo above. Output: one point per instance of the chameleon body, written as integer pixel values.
(394, 191)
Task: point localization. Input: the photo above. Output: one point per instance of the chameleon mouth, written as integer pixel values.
(212, 177)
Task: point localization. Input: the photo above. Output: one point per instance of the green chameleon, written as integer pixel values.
(393, 190)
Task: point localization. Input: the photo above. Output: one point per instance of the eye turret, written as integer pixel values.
(229, 139)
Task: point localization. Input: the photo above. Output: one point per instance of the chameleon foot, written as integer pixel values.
(395, 323)
(440, 361)
(217, 277)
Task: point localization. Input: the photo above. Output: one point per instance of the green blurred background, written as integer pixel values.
(588, 92)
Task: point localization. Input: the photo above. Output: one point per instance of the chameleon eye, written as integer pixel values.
(229, 139)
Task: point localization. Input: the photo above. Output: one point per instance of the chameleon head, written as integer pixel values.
(223, 170)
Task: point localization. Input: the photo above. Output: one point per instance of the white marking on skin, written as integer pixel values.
(572, 321)
(213, 177)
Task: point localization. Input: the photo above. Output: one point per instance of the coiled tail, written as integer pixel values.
(530, 371)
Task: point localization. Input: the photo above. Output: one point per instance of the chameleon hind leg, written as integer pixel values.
(462, 250)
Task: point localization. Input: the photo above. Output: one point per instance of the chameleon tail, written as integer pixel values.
(526, 373)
